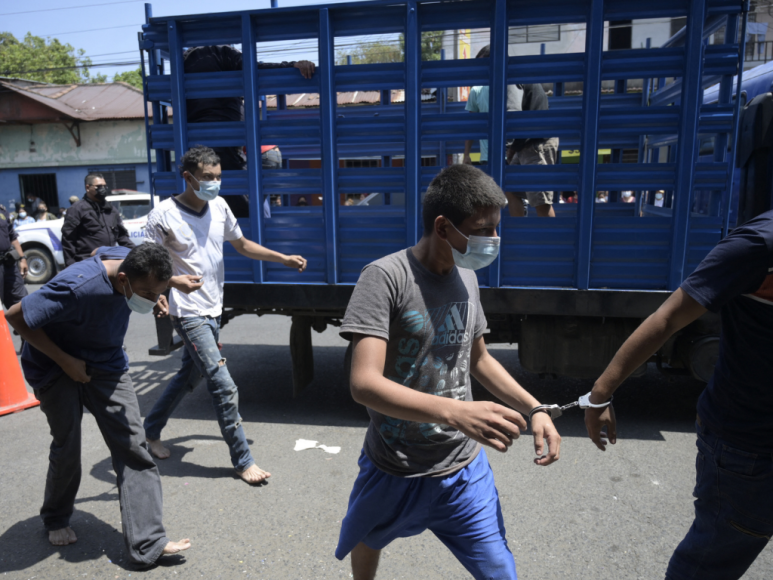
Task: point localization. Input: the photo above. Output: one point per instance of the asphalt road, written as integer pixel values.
(608, 516)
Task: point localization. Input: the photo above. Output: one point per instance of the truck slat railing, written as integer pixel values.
(648, 101)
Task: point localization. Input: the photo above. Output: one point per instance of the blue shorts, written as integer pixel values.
(462, 510)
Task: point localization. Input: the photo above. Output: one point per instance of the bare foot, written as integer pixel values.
(174, 547)
(157, 449)
(254, 474)
(62, 537)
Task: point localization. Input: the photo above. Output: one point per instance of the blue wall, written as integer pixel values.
(69, 180)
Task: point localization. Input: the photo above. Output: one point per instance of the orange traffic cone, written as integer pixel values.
(13, 393)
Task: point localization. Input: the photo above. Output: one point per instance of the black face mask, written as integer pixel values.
(100, 191)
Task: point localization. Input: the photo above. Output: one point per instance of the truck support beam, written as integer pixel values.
(301, 353)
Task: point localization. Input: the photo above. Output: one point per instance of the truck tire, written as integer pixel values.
(41, 265)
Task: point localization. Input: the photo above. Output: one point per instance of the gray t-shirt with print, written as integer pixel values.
(429, 322)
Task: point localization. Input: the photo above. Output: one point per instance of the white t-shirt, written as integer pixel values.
(195, 241)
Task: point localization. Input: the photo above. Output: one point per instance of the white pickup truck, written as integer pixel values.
(42, 241)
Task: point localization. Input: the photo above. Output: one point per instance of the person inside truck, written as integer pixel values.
(193, 226)
(416, 325)
(734, 479)
(74, 328)
(478, 102)
(204, 59)
(532, 151)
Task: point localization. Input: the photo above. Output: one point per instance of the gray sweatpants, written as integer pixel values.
(110, 397)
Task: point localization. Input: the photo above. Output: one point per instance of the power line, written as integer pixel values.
(58, 68)
(69, 7)
(92, 30)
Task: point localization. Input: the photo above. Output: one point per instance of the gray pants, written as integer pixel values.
(110, 397)
(543, 154)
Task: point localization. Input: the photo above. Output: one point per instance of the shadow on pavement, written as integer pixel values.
(645, 406)
(263, 374)
(174, 466)
(26, 543)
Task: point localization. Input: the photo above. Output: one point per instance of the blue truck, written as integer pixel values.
(568, 290)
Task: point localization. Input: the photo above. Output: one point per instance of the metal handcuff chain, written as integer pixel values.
(555, 411)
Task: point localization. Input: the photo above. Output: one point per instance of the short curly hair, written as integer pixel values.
(457, 193)
(196, 156)
(148, 260)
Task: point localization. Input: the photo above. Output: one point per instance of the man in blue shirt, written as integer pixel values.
(73, 358)
(733, 507)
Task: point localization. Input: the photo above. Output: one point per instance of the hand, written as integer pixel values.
(295, 262)
(543, 430)
(186, 283)
(306, 67)
(488, 423)
(161, 309)
(598, 419)
(76, 370)
(23, 268)
(466, 159)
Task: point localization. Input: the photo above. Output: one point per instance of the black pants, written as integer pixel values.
(111, 399)
(12, 288)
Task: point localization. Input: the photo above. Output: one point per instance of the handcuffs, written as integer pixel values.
(555, 411)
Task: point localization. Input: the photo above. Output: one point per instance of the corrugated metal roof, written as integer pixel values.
(349, 98)
(92, 102)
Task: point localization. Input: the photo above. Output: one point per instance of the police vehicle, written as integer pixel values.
(42, 241)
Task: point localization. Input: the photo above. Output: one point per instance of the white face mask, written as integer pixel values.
(22, 214)
(137, 303)
(658, 196)
(207, 190)
(481, 251)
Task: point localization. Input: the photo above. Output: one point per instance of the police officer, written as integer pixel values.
(91, 223)
(12, 288)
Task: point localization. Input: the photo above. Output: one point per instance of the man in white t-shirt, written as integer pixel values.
(193, 226)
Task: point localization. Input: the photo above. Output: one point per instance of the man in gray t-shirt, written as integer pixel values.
(416, 325)
(429, 322)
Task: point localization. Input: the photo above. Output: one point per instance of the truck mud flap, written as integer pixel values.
(167, 341)
(301, 353)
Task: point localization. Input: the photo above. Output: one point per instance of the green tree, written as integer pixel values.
(46, 60)
(385, 51)
(431, 43)
(131, 77)
(371, 53)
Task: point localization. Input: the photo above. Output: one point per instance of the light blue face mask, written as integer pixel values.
(481, 251)
(207, 190)
(137, 303)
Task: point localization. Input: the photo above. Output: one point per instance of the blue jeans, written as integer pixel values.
(733, 512)
(201, 358)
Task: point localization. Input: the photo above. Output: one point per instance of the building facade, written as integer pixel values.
(52, 136)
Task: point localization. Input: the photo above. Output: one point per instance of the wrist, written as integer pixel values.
(538, 410)
(447, 412)
(600, 395)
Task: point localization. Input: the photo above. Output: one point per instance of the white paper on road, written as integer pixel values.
(303, 444)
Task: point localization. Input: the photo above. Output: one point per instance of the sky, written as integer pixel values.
(107, 29)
